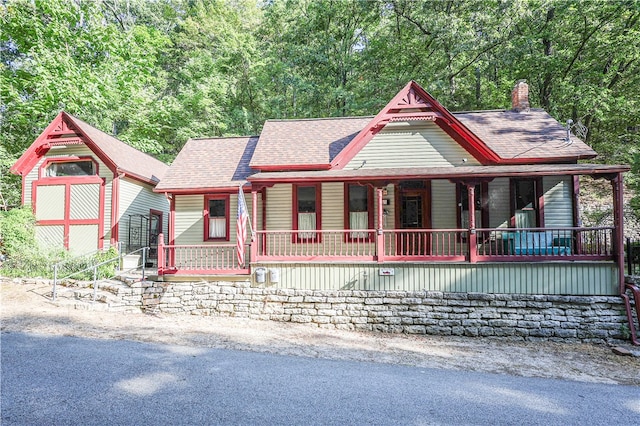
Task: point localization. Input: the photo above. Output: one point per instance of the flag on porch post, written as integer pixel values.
(241, 234)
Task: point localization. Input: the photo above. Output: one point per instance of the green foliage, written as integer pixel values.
(108, 270)
(624, 330)
(9, 184)
(82, 267)
(157, 73)
(635, 182)
(17, 230)
(23, 256)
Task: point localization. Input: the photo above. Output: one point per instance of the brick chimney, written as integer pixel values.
(520, 96)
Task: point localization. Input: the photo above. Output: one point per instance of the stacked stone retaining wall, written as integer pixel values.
(595, 319)
(516, 316)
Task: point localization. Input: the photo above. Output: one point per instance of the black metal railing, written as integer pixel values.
(632, 256)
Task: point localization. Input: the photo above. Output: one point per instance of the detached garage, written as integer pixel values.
(89, 190)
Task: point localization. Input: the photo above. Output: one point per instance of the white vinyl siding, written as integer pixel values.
(137, 198)
(28, 183)
(443, 205)
(279, 207)
(561, 278)
(411, 145)
(332, 205)
(279, 210)
(499, 203)
(558, 203)
(189, 219)
(84, 201)
(103, 171)
(50, 202)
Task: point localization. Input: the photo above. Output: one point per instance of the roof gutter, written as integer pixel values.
(198, 191)
(443, 173)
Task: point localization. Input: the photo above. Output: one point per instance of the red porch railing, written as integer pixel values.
(524, 244)
(491, 245)
(425, 244)
(346, 244)
(200, 259)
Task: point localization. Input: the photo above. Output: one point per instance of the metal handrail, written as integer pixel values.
(95, 267)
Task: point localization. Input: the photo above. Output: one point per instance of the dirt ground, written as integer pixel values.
(24, 308)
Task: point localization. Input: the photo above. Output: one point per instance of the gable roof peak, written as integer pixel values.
(413, 103)
(117, 155)
(412, 97)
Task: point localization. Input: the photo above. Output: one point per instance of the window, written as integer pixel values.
(525, 194)
(359, 201)
(481, 192)
(70, 168)
(306, 210)
(216, 221)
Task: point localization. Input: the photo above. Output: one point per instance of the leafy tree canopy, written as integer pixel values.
(155, 73)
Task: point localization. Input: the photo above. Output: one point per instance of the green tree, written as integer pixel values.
(157, 73)
(58, 54)
(314, 53)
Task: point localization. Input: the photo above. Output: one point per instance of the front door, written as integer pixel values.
(413, 213)
(155, 229)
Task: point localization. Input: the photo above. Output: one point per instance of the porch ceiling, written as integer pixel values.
(462, 172)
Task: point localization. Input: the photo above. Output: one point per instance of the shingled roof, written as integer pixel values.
(512, 135)
(500, 137)
(304, 142)
(210, 163)
(117, 155)
(524, 135)
(125, 157)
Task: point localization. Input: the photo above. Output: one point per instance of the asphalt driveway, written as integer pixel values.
(71, 381)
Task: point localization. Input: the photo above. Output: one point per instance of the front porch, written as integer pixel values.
(389, 247)
(399, 235)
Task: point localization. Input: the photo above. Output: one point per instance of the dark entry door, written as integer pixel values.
(413, 214)
(155, 229)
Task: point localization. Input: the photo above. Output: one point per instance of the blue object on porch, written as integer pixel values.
(536, 243)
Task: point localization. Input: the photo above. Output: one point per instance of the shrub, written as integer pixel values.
(23, 257)
(17, 230)
(21, 253)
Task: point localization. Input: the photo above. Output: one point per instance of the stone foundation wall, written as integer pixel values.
(594, 319)
(522, 317)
